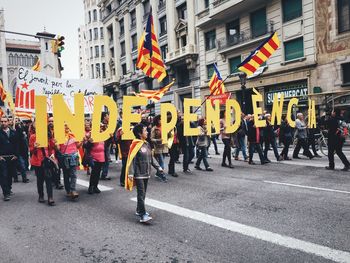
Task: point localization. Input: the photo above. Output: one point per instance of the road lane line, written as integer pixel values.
(285, 241)
(101, 187)
(309, 187)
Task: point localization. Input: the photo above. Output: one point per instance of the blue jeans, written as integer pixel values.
(241, 147)
(160, 159)
(105, 168)
(21, 165)
(203, 155)
(274, 147)
(188, 152)
(70, 179)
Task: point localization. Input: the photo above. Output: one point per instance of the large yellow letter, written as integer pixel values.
(167, 126)
(257, 110)
(188, 116)
(293, 101)
(63, 115)
(232, 104)
(312, 114)
(99, 102)
(128, 117)
(213, 116)
(41, 120)
(277, 109)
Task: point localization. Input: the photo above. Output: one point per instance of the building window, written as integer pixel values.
(90, 31)
(103, 70)
(121, 26)
(233, 32)
(210, 70)
(182, 12)
(146, 8)
(134, 42)
(210, 38)
(164, 50)
(95, 33)
(134, 62)
(100, 12)
(206, 4)
(292, 9)
(258, 23)
(133, 18)
(101, 33)
(91, 52)
(294, 49)
(183, 40)
(346, 73)
(122, 49)
(234, 62)
(109, 9)
(343, 16)
(163, 26)
(124, 69)
(95, 15)
(97, 51)
(92, 71)
(11, 60)
(102, 50)
(89, 16)
(98, 71)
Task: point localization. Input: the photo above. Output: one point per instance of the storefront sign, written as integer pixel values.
(221, 98)
(294, 90)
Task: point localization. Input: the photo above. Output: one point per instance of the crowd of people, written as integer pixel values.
(19, 151)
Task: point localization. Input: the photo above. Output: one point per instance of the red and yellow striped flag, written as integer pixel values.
(149, 58)
(1, 113)
(3, 93)
(216, 85)
(24, 115)
(37, 66)
(260, 55)
(134, 148)
(155, 95)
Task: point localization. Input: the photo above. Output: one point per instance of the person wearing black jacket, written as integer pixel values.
(187, 145)
(336, 141)
(286, 138)
(254, 141)
(269, 139)
(8, 157)
(23, 151)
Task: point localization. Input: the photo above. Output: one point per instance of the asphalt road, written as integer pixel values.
(282, 212)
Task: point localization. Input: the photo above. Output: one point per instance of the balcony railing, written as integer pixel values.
(245, 36)
(219, 2)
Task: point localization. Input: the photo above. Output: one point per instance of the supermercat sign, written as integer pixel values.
(299, 91)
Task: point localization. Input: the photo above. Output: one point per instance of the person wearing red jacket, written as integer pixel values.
(43, 174)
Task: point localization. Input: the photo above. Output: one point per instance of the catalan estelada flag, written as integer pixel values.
(155, 95)
(3, 93)
(37, 66)
(216, 85)
(134, 149)
(149, 58)
(260, 55)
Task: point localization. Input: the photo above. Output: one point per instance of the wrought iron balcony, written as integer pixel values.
(245, 36)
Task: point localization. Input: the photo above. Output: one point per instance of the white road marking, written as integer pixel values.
(285, 241)
(309, 187)
(101, 187)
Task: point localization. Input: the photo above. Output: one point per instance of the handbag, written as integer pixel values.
(48, 163)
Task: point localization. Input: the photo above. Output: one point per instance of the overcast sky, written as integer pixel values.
(60, 17)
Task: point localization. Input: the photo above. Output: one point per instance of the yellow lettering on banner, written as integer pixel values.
(293, 101)
(167, 126)
(99, 102)
(232, 104)
(277, 108)
(257, 110)
(41, 120)
(129, 117)
(312, 114)
(63, 115)
(188, 116)
(213, 116)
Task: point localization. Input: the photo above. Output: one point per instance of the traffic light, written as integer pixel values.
(60, 44)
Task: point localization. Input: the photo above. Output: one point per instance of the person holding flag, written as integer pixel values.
(138, 169)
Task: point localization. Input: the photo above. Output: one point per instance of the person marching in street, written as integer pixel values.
(42, 159)
(301, 135)
(160, 149)
(138, 169)
(108, 144)
(286, 138)
(187, 146)
(254, 141)
(241, 136)
(312, 140)
(124, 146)
(202, 144)
(173, 146)
(269, 139)
(226, 139)
(8, 157)
(336, 139)
(213, 138)
(67, 154)
(22, 152)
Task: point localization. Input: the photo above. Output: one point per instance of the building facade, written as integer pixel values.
(230, 30)
(174, 21)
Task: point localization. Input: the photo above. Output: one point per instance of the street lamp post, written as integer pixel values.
(243, 79)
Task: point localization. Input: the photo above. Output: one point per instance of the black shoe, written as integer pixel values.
(188, 171)
(96, 190)
(105, 178)
(329, 168)
(345, 169)
(230, 166)
(318, 156)
(122, 184)
(296, 157)
(174, 175)
(198, 168)
(41, 200)
(209, 169)
(191, 162)
(177, 162)
(25, 180)
(90, 190)
(12, 193)
(252, 163)
(51, 202)
(7, 198)
(224, 165)
(311, 157)
(217, 153)
(267, 160)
